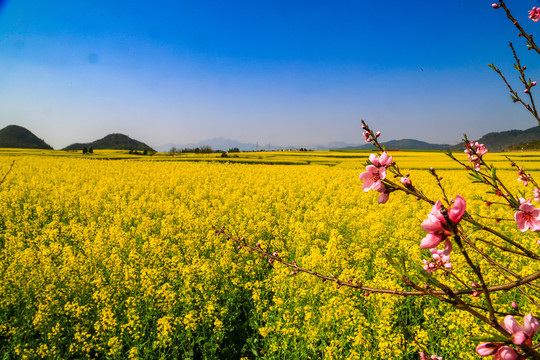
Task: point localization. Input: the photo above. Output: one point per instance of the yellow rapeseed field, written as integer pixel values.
(112, 256)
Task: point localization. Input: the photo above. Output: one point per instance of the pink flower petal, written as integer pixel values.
(383, 159)
(430, 241)
(383, 198)
(530, 325)
(506, 353)
(520, 221)
(519, 338)
(374, 159)
(510, 324)
(458, 209)
(487, 349)
(431, 224)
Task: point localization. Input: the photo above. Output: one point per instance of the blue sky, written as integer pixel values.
(279, 72)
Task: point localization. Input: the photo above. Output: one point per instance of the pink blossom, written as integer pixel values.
(520, 334)
(384, 160)
(534, 14)
(366, 135)
(374, 175)
(432, 357)
(406, 181)
(528, 217)
(514, 305)
(372, 178)
(536, 194)
(474, 152)
(436, 224)
(384, 195)
(441, 258)
(523, 177)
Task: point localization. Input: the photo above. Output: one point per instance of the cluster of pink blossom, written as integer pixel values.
(436, 226)
(527, 217)
(474, 152)
(432, 357)
(523, 177)
(534, 14)
(441, 258)
(375, 173)
(440, 226)
(536, 194)
(520, 335)
(367, 135)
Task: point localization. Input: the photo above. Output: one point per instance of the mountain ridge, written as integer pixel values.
(15, 136)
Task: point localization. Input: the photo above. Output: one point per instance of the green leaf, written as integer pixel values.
(394, 264)
(403, 265)
(430, 280)
(494, 339)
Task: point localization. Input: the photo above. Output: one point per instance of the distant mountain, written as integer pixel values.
(403, 144)
(14, 136)
(112, 142)
(411, 144)
(499, 141)
(221, 143)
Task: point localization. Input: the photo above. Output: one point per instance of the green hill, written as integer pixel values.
(14, 136)
(511, 139)
(112, 142)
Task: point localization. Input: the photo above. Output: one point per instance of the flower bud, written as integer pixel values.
(526, 91)
(533, 83)
(514, 305)
(476, 294)
(495, 6)
(378, 133)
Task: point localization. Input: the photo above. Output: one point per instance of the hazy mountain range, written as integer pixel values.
(14, 136)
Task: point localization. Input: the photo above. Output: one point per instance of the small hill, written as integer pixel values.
(500, 141)
(14, 136)
(412, 144)
(528, 146)
(403, 144)
(112, 142)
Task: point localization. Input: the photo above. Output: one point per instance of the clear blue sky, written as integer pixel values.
(280, 72)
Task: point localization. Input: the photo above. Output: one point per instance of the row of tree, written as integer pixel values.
(201, 150)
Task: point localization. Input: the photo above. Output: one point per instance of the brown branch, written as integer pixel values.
(7, 173)
(357, 286)
(528, 37)
(524, 80)
(515, 96)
